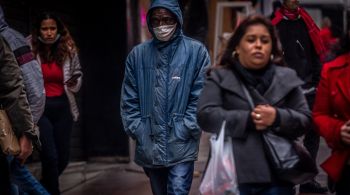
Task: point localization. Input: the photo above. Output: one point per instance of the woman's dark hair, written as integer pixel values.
(64, 46)
(227, 58)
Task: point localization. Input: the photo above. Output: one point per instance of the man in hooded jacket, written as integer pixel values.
(163, 79)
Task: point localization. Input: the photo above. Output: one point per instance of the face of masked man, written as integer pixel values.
(163, 23)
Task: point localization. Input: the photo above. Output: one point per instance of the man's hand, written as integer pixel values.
(26, 148)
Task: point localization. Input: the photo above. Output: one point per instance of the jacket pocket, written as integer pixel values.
(144, 145)
(142, 133)
(179, 130)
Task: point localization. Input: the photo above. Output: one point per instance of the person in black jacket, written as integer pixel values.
(303, 48)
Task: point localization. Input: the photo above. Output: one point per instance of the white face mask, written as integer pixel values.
(51, 41)
(165, 32)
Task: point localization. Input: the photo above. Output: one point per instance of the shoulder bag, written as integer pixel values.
(8, 140)
(289, 159)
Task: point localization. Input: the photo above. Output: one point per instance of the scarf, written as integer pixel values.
(314, 31)
(259, 79)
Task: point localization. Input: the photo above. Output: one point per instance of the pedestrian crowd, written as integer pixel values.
(279, 79)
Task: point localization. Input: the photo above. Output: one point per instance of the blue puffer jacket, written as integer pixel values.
(160, 93)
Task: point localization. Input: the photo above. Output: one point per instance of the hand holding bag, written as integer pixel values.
(289, 159)
(220, 176)
(8, 140)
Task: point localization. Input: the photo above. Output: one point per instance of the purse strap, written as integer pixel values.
(249, 97)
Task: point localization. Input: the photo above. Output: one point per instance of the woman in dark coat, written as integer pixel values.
(253, 59)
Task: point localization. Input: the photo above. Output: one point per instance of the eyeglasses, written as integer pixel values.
(158, 21)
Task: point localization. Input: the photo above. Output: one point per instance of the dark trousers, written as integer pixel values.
(174, 180)
(312, 138)
(342, 186)
(5, 184)
(55, 132)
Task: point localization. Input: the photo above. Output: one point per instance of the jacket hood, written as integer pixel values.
(3, 23)
(172, 6)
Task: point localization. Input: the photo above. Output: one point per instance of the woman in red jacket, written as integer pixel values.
(331, 115)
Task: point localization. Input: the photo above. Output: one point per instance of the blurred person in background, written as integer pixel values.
(330, 35)
(303, 50)
(276, 5)
(57, 54)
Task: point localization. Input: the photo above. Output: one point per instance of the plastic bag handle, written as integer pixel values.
(221, 137)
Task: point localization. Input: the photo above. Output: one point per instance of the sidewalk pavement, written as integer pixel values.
(79, 172)
(106, 176)
(121, 179)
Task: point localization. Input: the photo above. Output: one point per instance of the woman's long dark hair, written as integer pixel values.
(59, 51)
(227, 58)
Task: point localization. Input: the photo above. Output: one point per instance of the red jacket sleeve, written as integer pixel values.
(327, 123)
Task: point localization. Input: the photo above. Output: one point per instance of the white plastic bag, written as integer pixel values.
(220, 177)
